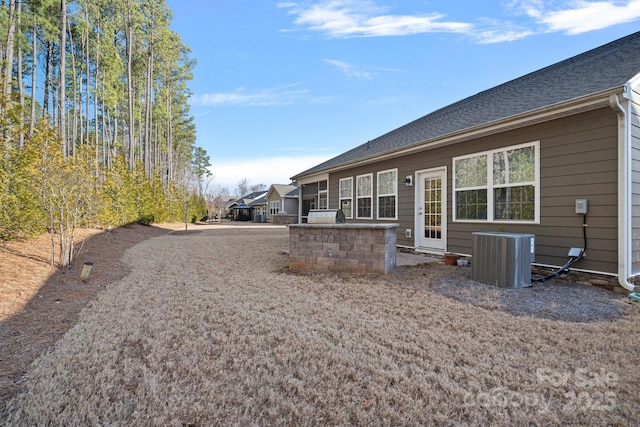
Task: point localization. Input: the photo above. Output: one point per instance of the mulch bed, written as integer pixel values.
(40, 303)
(555, 299)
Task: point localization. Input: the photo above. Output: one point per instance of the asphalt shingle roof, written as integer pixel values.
(257, 202)
(285, 190)
(253, 195)
(607, 67)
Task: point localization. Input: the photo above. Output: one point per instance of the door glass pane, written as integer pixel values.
(433, 208)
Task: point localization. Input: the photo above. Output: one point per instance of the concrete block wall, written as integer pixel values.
(283, 219)
(352, 248)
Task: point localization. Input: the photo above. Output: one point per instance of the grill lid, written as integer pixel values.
(326, 216)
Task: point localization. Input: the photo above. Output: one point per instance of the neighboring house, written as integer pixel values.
(282, 200)
(246, 207)
(513, 158)
(259, 208)
(218, 208)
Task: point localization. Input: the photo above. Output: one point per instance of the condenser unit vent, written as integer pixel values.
(503, 259)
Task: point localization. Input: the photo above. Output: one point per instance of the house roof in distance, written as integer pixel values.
(251, 198)
(285, 190)
(601, 69)
(254, 195)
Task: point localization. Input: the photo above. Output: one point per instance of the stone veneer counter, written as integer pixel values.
(350, 247)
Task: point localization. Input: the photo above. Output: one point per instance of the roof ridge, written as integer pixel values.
(604, 49)
(595, 70)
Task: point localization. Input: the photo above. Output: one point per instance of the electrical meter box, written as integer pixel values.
(582, 206)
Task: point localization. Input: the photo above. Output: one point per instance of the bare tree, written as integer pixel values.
(216, 197)
(243, 187)
(258, 187)
(66, 195)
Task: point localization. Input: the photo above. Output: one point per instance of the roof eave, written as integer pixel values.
(312, 177)
(551, 112)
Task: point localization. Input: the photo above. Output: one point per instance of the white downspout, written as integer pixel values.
(300, 190)
(624, 191)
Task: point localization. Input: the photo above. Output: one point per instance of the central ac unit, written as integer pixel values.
(503, 259)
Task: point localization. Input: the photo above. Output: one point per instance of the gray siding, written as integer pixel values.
(274, 196)
(291, 206)
(578, 159)
(635, 172)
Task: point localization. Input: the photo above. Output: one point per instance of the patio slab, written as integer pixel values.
(412, 259)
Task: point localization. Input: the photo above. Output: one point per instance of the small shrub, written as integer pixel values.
(146, 219)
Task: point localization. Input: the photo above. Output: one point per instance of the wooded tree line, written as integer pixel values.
(95, 127)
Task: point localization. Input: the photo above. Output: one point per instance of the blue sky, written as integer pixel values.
(281, 86)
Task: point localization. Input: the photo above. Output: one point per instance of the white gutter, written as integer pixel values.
(624, 188)
(299, 201)
(544, 114)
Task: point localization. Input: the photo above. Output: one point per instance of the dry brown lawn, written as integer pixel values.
(209, 328)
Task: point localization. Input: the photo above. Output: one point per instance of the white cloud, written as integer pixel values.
(349, 70)
(267, 170)
(282, 95)
(362, 18)
(205, 113)
(584, 16)
(532, 8)
(502, 35)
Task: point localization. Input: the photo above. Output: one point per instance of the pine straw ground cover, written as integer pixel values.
(39, 303)
(210, 328)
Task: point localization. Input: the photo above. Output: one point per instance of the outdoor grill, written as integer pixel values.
(325, 216)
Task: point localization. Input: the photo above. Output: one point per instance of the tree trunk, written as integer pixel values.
(169, 136)
(62, 67)
(96, 78)
(130, 87)
(20, 82)
(147, 118)
(47, 79)
(85, 87)
(75, 110)
(32, 121)
(8, 58)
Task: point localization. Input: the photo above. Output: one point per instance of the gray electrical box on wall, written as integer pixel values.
(582, 206)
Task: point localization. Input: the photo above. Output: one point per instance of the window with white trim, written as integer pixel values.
(274, 207)
(323, 195)
(345, 194)
(387, 194)
(498, 185)
(364, 196)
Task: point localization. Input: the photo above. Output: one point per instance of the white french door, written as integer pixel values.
(431, 209)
